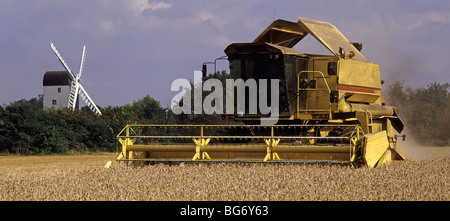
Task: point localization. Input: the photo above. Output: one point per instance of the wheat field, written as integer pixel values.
(83, 178)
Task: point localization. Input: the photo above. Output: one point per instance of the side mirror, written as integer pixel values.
(204, 70)
(332, 68)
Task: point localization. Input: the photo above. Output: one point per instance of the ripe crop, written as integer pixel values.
(82, 177)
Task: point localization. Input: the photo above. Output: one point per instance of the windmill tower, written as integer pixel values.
(68, 85)
(57, 89)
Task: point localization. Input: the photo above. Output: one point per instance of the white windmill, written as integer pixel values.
(76, 87)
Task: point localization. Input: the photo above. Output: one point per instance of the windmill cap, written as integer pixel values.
(56, 78)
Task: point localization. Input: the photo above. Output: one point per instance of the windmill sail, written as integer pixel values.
(76, 87)
(89, 102)
(83, 58)
(62, 61)
(73, 95)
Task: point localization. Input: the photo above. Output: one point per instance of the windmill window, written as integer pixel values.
(59, 90)
(53, 102)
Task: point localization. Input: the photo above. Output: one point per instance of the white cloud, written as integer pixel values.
(139, 6)
(107, 26)
(216, 20)
(410, 22)
(158, 5)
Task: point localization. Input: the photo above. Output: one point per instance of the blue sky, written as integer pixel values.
(139, 47)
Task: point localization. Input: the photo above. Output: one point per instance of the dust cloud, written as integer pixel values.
(417, 151)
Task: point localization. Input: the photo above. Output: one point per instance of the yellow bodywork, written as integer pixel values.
(375, 146)
(334, 110)
(359, 74)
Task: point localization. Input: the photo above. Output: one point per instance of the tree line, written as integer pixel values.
(27, 128)
(425, 111)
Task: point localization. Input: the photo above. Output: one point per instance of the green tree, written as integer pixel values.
(23, 124)
(149, 110)
(425, 111)
(119, 116)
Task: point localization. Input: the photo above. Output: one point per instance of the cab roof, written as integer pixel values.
(287, 34)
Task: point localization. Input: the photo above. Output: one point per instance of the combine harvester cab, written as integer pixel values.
(331, 108)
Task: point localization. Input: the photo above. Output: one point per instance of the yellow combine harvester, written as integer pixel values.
(331, 108)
